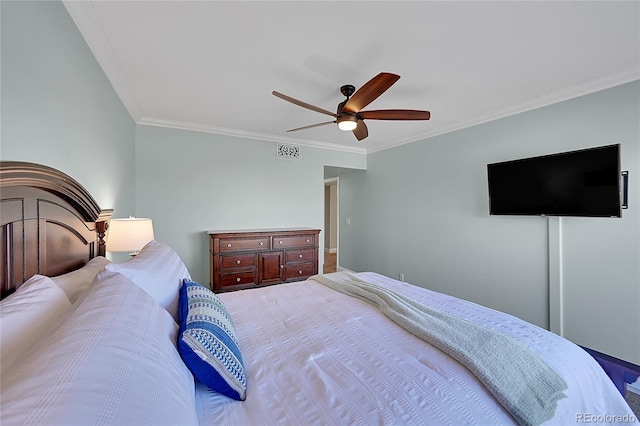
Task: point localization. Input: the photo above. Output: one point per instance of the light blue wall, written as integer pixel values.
(58, 107)
(422, 209)
(191, 182)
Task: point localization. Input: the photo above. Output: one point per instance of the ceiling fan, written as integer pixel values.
(349, 115)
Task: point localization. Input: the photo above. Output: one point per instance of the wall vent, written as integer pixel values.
(288, 152)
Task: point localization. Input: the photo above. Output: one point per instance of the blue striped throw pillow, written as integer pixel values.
(207, 341)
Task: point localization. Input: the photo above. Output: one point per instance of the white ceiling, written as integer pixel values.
(212, 65)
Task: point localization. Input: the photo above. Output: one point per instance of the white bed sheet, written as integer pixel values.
(316, 356)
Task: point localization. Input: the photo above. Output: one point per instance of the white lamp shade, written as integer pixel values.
(129, 234)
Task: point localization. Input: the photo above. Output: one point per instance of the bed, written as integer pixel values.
(88, 341)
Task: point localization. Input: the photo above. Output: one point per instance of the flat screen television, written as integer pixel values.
(576, 183)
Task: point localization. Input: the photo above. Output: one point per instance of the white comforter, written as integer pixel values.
(316, 356)
(312, 356)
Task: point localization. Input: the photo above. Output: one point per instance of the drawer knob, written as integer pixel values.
(229, 245)
(308, 240)
(261, 243)
(238, 279)
(300, 272)
(300, 256)
(237, 262)
(280, 241)
(281, 266)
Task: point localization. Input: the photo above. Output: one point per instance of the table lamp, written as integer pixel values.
(129, 234)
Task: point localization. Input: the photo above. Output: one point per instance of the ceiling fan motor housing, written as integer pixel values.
(347, 90)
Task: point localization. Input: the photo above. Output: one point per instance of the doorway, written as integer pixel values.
(331, 223)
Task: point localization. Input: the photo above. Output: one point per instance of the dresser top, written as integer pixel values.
(269, 230)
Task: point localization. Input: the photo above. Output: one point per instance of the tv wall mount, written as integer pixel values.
(625, 189)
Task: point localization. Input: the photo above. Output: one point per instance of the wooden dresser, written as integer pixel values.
(254, 258)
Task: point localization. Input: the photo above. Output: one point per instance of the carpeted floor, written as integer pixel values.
(634, 401)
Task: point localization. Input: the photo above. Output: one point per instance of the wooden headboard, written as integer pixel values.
(49, 223)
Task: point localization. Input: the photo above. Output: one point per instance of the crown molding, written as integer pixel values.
(204, 128)
(585, 88)
(84, 16)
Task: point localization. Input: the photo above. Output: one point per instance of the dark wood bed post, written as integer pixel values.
(102, 225)
(49, 225)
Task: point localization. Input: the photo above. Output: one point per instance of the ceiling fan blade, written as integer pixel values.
(395, 114)
(312, 125)
(304, 104)
(361, 130)
(370, 91)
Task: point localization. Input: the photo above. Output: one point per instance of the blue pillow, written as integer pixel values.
(207, 341)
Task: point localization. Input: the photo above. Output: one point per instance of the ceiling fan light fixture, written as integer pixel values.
(350, 117)
(347, 122)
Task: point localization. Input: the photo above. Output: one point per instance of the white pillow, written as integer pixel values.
(113, 361)
(159, 271)
(76, 282)
(27, 316)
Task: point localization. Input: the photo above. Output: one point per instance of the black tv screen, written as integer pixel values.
(577, 183)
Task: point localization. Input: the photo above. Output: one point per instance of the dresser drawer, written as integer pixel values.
(301, 271)
(230, 261)
(293, 241)
(239, 244)
(307, 255)
(238, 278)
